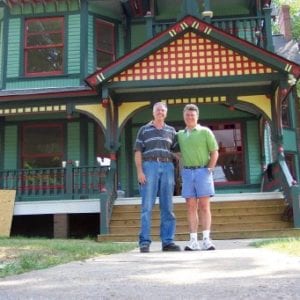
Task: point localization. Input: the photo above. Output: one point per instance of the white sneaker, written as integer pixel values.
(193, 245)
(208, 245)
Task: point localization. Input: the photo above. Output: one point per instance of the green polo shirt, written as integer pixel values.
(196, 145)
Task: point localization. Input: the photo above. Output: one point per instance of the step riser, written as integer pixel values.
(214, 205)
(221, 227)
(219, 212)
(216, 219)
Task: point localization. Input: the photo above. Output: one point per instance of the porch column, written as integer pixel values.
(60, 226)
(269, 41)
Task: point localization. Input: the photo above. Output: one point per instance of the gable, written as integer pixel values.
(193, 49)
(192, 56)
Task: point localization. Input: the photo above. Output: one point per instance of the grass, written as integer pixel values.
(289, 246)
(19, 255)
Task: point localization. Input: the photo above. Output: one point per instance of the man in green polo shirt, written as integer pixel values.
(199, 154)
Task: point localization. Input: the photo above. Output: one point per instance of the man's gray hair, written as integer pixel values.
(191, 107)
(160, 104)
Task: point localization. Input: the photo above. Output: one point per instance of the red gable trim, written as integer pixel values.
(190, 23)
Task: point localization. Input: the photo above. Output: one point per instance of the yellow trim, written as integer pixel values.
(260, 101)
(125, 109)
(32, 110)
(95, 110)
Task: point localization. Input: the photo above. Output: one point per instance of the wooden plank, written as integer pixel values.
(7, 202)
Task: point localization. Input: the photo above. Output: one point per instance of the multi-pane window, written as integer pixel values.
(105, 43)
(42, 146)
(44, 46)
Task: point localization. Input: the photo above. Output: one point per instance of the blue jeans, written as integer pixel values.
(160, 182)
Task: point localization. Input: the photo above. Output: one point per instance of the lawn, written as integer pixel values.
(289, 246)
(19, 255)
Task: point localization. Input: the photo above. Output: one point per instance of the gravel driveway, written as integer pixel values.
(234, 271)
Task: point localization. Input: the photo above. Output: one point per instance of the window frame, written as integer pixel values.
(24, 156)
(112, 53)
(28, 48)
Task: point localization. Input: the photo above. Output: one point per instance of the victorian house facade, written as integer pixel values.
(78, 79)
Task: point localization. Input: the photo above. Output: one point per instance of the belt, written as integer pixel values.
(194, 167)
(158, 159)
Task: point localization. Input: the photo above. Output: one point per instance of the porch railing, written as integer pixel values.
(251, 29)
(55, 183)
(71, 182)
(278, 177)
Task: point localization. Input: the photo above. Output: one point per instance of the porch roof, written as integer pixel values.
(44, 93)
(245, 64)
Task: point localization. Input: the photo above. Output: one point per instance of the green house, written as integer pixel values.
(78, 79)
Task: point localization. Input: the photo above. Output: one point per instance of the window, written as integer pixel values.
(230, 166)
(285, 114)
(105, 46)
(44, 46)
(42, 146)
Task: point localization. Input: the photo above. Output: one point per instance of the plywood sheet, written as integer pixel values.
(7, 203)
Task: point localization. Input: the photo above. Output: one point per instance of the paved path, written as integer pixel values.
(234, 271)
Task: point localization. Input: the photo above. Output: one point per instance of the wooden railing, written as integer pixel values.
(278, 177)
(251, 29)
(56, 183)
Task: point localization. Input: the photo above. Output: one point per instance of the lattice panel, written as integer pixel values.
(192, 56)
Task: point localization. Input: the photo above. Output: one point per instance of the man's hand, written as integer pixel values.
(141, 178)
(138, 163)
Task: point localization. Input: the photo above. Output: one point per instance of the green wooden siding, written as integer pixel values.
(138, 35)
(1, 46)
(254, 157)
(73, 143)
(123, 164)
(91, 144)
(14, 48)
(73, 44)
(289, 140)
(10, 147)
(134, 177)
(91, 45)
(120, 51)
(43, 83)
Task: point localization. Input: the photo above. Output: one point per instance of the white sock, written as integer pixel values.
(193, 236)
(206, 234)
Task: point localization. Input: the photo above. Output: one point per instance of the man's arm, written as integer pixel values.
(139, 169)
(214, 155)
